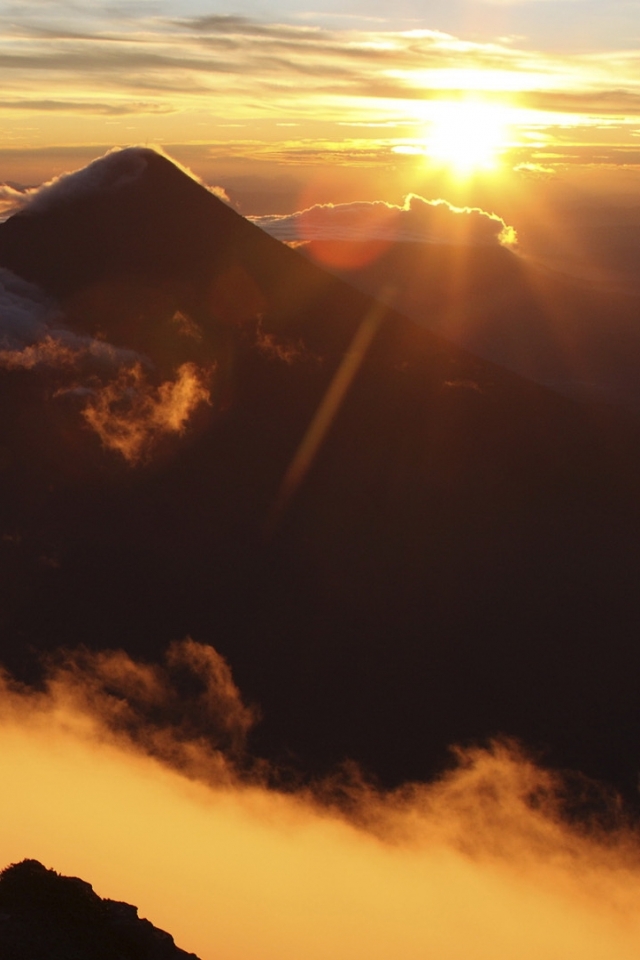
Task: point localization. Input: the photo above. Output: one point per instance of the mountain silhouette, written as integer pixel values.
(455, 559)
(46, 915)
(578, 337)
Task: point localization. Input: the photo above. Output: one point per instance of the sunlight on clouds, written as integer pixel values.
(475, 79)
(129, 414)
(181, 80)
(417, 220)
(48, 352)
(118, 394)
(475, 866)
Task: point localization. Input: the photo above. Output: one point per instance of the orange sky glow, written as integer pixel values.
(227, 92)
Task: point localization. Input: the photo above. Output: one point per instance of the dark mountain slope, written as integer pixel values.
(51, 917)
(122, 256)
(460, 560)
(575, 336)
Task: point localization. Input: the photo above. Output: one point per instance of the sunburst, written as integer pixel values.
(467, 136)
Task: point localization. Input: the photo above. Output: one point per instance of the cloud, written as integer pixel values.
(599, 103)
(417, 220)
(185, 711)
(11, 199)
(32, 332)
(113, 109)
(188, 76)
(130, 415)
(115, 388)
(98, 782)
(25, 311)
(220, 193)
(536, 171)
(107, 174)
(47, 353)
(239, 26)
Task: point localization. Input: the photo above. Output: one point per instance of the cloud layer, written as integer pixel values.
(417, 220)
(127, 775)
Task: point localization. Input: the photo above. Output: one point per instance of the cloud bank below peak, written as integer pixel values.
(416, 221)
(111, 773)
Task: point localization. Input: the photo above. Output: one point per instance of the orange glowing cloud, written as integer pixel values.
(478, 865)
(129, 415)
(47, 352)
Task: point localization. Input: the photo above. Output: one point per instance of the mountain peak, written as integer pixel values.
(131, 213)
(107, 174)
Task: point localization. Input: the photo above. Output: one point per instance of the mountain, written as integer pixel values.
(46, 915)
(576, 336)
(451, 556)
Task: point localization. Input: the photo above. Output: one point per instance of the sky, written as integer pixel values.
(255, 87)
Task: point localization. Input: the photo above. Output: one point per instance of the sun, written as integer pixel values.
(467, 136)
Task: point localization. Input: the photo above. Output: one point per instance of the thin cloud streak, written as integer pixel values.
(113, 109)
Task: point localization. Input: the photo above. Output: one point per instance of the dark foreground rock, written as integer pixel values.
(44, 916)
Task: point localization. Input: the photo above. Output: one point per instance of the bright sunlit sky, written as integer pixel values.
(380, 96)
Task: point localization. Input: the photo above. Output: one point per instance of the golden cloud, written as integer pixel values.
(482, 863)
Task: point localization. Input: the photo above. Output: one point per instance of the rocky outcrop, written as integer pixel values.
(45, 916)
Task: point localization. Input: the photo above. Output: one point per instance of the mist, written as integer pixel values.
(138, 778)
